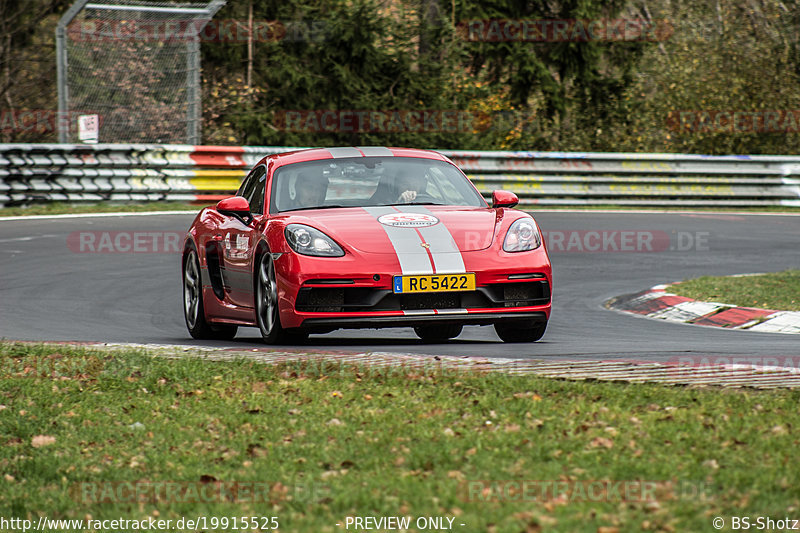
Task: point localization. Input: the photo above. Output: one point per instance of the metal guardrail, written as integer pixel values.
(33, 173)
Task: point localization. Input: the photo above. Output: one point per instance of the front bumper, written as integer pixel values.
(313, 297)
(329, 293)
(425, 318)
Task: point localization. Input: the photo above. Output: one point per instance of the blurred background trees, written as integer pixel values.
(27, 63)
(414, 55)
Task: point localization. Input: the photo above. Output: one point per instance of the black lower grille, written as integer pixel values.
(518, 294)
(341, 299)
(433, 300)
(322, 300)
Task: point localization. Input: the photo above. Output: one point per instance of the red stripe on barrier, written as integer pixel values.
(656, 304)
(218, 156)
(735, 316)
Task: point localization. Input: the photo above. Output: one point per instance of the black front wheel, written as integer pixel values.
(520, 331)
(267, 315)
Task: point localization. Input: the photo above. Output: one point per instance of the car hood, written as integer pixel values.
(411, 229)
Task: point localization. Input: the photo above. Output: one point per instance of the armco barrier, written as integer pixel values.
(31, 173)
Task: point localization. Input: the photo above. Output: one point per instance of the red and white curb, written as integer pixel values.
(747, 372)
(658, 302)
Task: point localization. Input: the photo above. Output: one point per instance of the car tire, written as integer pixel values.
(193, 307)
(440, 333)
(520, 331)
(266, 305)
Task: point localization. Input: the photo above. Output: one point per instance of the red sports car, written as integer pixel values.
(321, 239)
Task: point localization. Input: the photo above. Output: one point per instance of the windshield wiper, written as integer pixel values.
(314, 207)
(418, 203)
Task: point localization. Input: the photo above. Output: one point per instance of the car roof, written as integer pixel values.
(316, 154)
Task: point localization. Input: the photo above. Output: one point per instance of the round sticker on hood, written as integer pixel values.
(408, 220)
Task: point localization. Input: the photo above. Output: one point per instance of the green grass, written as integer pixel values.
(332, 441)
(61, 208)
(779, 290)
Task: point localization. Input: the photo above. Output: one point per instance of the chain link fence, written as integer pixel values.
(135, 64)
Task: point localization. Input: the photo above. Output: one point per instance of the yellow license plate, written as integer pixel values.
(435, 283)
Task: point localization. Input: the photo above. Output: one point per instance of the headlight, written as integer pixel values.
(523, 235)
(309, 241)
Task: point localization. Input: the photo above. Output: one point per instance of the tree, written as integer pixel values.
(27, 57)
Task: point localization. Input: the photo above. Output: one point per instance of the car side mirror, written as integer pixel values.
(237, 207)
(504, 199)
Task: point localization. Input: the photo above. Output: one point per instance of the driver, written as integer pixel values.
(411, 184)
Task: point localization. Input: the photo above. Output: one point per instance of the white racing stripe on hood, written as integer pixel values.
(407, 244)
(447, 257)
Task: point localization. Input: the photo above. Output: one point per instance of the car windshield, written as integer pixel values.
(370, 181)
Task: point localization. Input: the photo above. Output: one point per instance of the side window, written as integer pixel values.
(246, 188)
(256, 199)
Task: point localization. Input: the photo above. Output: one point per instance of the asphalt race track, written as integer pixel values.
(52, 287)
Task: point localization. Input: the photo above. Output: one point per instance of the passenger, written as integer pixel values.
(310, 190)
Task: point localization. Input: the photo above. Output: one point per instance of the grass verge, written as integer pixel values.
(778, 290)
(329, 441)
(63, 208)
